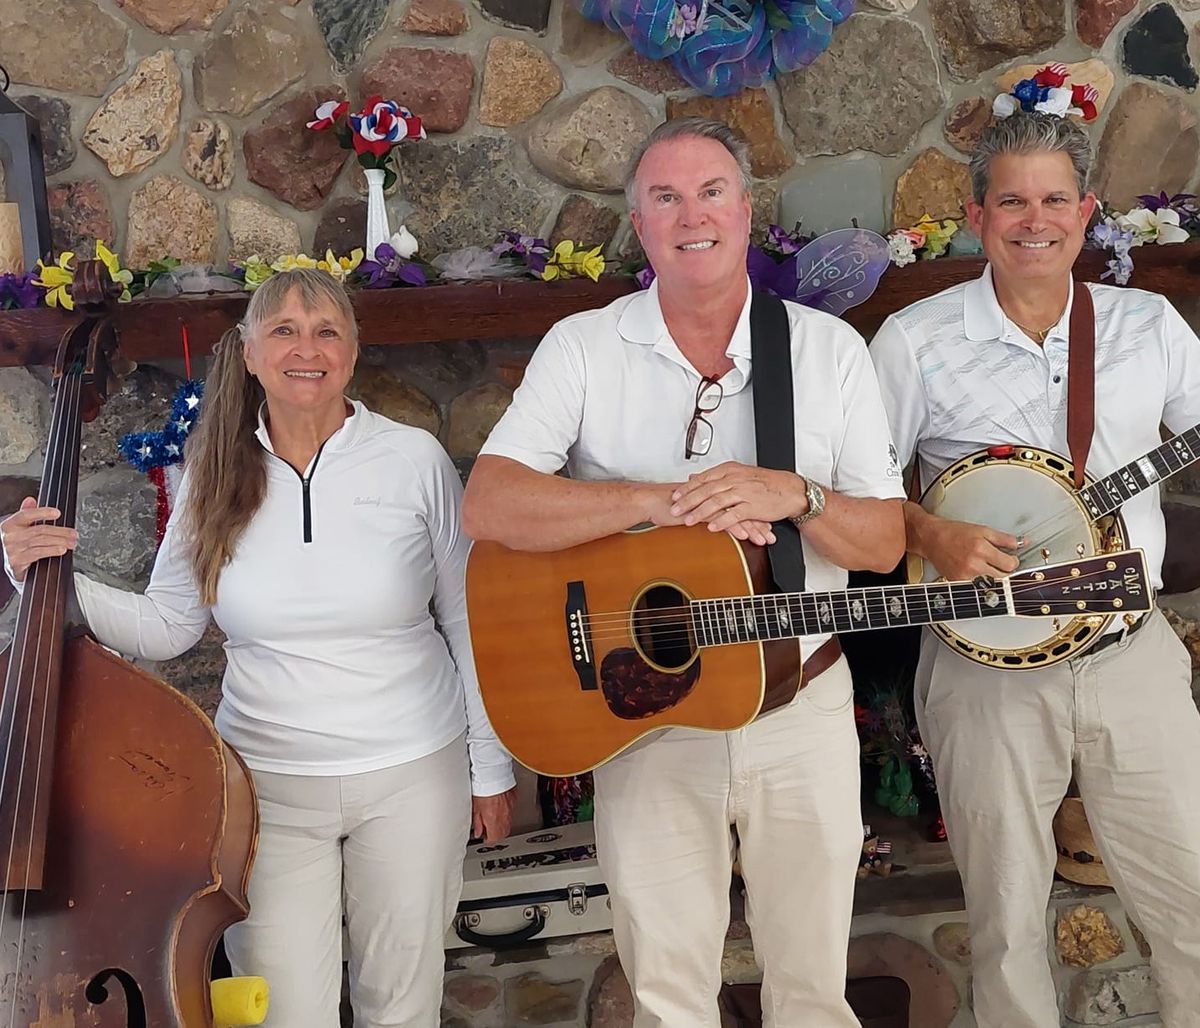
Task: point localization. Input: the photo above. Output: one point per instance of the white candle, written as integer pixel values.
(12, 256)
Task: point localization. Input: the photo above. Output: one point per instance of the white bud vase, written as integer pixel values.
(378, 230)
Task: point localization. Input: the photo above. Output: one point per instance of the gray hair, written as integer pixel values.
(1030, 132)
(314, 287)
(680, 128)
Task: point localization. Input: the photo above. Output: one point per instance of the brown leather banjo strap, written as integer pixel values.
(1081, 380)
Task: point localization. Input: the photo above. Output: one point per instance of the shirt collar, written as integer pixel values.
(342, 439)
(984, 318)
(642, 322)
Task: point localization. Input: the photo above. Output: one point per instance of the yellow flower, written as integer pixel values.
(341, 267)
(56, 279)
(291, 261)
(567, 262)
(592, 263)
(257, 272)
(937, 236)
(113, 263)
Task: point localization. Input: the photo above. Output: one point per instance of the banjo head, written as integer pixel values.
(1028, 493)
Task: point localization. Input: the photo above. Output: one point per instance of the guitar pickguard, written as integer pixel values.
(633, 689)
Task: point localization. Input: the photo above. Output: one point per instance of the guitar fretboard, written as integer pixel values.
(788, 615)
(1106, 495)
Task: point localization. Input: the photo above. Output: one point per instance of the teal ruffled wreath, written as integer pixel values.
(722, 46)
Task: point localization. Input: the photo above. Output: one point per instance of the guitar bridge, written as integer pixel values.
(579, 636)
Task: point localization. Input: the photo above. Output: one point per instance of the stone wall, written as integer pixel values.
(175, 127)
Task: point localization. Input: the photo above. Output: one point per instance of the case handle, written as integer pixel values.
(505, 940)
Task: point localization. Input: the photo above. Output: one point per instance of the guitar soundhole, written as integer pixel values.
(653, 676)
(662, 626)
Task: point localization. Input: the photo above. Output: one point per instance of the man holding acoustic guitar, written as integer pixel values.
(649, 404)
(1035, 365)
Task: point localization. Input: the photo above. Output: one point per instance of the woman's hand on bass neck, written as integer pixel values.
(30, 535)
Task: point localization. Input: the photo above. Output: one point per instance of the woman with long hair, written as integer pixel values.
(324, 541)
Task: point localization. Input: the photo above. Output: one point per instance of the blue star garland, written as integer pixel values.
(146, 450)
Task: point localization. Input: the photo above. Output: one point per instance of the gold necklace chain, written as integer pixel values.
(1039, 333)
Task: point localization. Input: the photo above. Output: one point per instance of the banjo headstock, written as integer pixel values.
(1112, 583)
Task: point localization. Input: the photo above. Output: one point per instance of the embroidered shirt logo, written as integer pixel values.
(893, 470)
(366, 501)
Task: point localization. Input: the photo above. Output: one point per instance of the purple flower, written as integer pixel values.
(533, 251)
(413, 274)
(1108, 235)
(522, 246)
(1119, 269)
(1178, 202)
(18, 291)
(644, 277)
(390, 269)
(783, 240)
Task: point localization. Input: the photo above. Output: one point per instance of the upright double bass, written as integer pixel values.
(127, 827)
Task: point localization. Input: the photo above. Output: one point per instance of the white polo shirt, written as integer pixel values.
(609, 395)
(958, 376)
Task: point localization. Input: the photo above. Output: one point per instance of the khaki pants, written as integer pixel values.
(1005, 745)
(664, 810)
(387, 848)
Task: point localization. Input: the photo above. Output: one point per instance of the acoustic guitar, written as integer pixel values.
(583, 651)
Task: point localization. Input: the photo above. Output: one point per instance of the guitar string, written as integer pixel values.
(663, 628)
(960, 609)
(963, 590)
(1166, 447)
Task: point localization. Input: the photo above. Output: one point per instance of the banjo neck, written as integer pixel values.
(1106, 495)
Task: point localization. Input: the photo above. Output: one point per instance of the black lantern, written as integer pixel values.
(24, 175)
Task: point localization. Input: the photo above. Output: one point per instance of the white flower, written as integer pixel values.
(1169, 230)
(1057, 102)
(404, 243)
(1161, 226)
(900, 249)
(1004, 105)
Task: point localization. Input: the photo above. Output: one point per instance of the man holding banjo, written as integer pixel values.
(1021, 362)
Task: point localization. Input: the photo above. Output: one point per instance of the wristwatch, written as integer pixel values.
(816, 503)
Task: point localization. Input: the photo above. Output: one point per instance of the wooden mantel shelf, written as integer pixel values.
(150, 329)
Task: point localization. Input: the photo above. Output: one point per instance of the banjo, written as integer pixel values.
(1030, 493)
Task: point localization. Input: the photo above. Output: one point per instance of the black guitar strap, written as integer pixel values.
(774, 422)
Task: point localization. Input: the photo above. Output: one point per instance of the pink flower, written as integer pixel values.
(327, 114)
